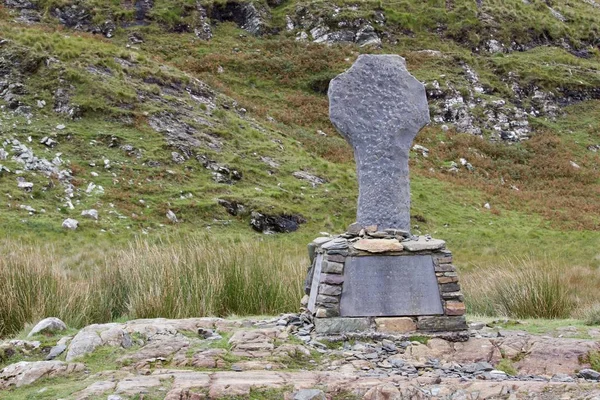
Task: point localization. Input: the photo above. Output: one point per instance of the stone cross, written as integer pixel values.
(379, 107)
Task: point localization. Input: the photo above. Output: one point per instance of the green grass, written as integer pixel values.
(507, 366)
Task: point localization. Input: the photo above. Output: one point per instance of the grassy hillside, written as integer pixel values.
(176, 106)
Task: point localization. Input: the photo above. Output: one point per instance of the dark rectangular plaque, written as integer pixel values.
(376, 286)
(314, 288)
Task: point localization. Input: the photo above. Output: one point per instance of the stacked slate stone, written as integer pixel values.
(324, 286)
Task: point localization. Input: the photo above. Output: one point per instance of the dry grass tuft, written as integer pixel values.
(527, 288)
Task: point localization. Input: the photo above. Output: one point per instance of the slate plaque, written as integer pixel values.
(376, 286)
(314, 288)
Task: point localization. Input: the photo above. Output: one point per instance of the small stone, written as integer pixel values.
(589, 374)
(447, 279)
(338, 258)
(172, 217)
(304, 301)
(423, 244)
(497, 374)
(449, 287)
(330, 290)
(455, 308)
(395, 325)
(341, 325)
(48, 325)
(60, 127)
(91, 214)
(56, 351)
(322, 240)
(441, 323)
(330, 267)
(354, 229)
(327, 299)
(388, 345)
(336, 244)
(70, 223)
(332, 279)
(476, 325)
(378, 245)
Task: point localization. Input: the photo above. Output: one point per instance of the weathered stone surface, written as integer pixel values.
(329, 326)
(390, 286)
(383, 392)
(330, 290)
(50, 324)
(378, 245)
(83, 343)
(25, 373)
(332, 279)
(316, 278)
(455, 308)
(309, 394)
(330, 267)
(338, 258)
(437, 324)
(395, 325)
(423, 244)
(336, 244)
(379, 107)
(56, 351)
(449, 287)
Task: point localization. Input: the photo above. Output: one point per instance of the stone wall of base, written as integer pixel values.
(324, 284)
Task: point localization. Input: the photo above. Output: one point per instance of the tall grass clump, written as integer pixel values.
(171, 279)
(524, 288)
(198, 277)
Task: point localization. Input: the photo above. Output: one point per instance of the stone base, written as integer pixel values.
(389, 325)
(383, 283)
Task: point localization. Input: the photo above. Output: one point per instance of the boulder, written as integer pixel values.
(48, 325)
(83, 343)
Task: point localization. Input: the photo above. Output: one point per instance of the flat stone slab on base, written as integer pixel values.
(390, 286)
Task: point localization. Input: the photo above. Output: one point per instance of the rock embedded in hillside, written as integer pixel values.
(83, 343)
(283, 223)
(312, 179)
(70, 223)
(56, 351)
(48, 325)
(172, 217)
(91, 214)
(232, 207)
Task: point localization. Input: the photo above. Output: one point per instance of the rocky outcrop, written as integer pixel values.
(247, 15)
(275, 223)
(185, 358)
(25, 373)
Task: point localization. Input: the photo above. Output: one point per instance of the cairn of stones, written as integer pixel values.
(377, 276)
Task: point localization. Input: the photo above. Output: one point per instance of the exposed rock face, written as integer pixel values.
(275, 223)
(363, 367)
(246, 14)
(25, 373)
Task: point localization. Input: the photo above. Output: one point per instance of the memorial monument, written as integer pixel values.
(377, 276)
